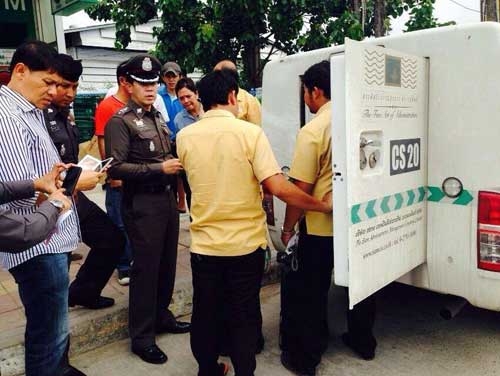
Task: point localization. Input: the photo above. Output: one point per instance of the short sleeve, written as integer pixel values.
(304, 165)
(264, 163)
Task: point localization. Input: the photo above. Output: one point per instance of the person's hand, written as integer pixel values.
(286, 236)
(327, 199)
(115, 183)
(59, 195)
(50, 182)
(88, 180)
(172, 166)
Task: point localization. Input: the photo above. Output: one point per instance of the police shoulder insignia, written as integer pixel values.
(147, 65)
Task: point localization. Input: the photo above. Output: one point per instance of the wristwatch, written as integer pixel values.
(57, 203)
(287, 231)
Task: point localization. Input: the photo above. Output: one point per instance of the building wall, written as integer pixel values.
(99, 66)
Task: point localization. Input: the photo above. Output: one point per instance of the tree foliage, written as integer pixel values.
(199, 33)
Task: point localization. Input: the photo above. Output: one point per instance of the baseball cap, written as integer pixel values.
(171, 66)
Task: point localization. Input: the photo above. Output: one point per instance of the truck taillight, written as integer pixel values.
(488, 231)
(268, 205)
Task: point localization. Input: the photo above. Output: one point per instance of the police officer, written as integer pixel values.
(137, 139)
(105, 240)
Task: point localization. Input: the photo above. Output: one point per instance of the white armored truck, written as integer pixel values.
(416, 158)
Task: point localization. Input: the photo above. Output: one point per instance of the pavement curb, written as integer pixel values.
(98, 328)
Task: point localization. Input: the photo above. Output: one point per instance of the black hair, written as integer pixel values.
(121, 70)
(69, 68)
(232, 72)
(36, 55)
(318, 75)
(215, 87)
(185, 82)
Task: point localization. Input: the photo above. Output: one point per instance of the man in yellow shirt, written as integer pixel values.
(248, 105)
(226, 160)
(304, 327)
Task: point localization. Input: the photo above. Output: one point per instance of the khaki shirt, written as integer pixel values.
(249, 107)
(139, 143)
(312, 163)
(226, 160)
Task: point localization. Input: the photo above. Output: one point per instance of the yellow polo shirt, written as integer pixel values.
(225, 161)
(312, 163)
(249, 107)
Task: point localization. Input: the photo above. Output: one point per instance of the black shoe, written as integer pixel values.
(99, 303)
(178, 328)
(71, 371)
(365, 351)
(288, 364)
(151, 354)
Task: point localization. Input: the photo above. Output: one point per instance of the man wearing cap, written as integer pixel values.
(171, 74)
(137, 139)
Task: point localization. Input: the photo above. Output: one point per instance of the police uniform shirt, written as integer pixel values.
(139, 143)
(63, 132)
(225, 160)
(312, 163)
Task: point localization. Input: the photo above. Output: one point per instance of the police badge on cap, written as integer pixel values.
(144, 68)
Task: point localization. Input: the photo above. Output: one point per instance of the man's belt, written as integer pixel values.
(149, 188)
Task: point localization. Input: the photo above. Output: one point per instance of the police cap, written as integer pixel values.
(143, 68)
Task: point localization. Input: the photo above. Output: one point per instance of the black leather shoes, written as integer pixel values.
(71, 371)
(99, 303)
(286, 361)
(365, 349)
(151, 354)
(177, 328)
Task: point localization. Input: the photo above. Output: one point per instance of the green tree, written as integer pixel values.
(199, 33)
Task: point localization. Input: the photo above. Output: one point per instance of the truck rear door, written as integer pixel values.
(379, 136)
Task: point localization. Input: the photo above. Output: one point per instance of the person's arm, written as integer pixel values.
(21, 232)
(16, 190)
(280, 187)
(293, 214)
(100, 145)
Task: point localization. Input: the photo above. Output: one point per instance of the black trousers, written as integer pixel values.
(106, 244)
(232, 283)
(304, 301)
(304, 305)
(152, 224)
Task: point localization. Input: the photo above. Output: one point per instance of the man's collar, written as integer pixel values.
(22, 103)
(218, 113)
(325, 107)
(139, 110)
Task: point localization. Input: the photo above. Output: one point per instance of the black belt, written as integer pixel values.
(157, 188)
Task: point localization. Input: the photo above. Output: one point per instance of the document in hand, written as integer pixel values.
(89, 163)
